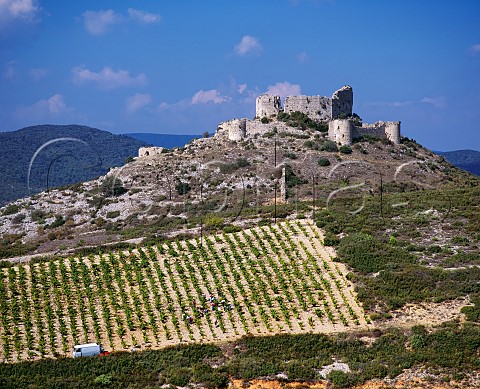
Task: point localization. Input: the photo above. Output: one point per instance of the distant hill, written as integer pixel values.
(468, 160)
(63, 155)
(163, 140)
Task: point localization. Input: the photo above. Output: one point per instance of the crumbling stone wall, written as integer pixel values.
(315, 107)
(267, 105)
(319, 108)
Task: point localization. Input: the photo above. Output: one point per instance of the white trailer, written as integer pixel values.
(88, 350)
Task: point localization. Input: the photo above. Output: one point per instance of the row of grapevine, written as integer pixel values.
(260, 281)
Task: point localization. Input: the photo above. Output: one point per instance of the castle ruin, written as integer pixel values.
(315, 107)
(336, 110)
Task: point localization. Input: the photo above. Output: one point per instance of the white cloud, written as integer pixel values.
(437, 102)
(45, 108)
(10, 70)
(25, 10)
(474, 49)
(137, 101)
(98, 22)
(107, 78)
(163, 106)
(284, 89)
(389, 103)
(55, 104)
(242, 88)
(248, 45)
(143, 17)
(209, 96)
(38, 73)
(302, 57)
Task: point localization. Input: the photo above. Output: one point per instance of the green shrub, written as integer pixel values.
(11, 209)
(299, 370)
(112, 186)
(461, 240)
(392, 240)
(264, 120)
(213, 222)
(345, 149)
(324, 162)
(18, 218)
(113, 214)
(472, 312)
(242, 162)
(231, 167)
(301, 120)
(309, 144)
(366, 254)
(329, 146)
(183, 188)
(291, 179)
(59, 221)
(339, 379)
(230, 228)
(179, 376)
(103, 380)
(331, 239)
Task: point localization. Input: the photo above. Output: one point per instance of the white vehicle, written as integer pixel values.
(88, 350)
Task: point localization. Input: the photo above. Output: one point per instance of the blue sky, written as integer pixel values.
(184, 66)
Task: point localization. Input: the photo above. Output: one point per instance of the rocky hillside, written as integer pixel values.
(215, 182)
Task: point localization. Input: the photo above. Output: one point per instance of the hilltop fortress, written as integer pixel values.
(336, 110)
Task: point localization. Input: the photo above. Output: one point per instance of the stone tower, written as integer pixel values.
(341, 131)
(267, 105)
(342, 102)
(235, 129)
(392, 131)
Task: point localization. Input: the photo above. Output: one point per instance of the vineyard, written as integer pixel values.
(266, 280)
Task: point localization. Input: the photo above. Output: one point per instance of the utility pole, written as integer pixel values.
(169, 186)
(201, 216)
(314, 195)
(275, 160)
(381, 195)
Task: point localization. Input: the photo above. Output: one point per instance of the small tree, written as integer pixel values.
(112, 186)
(345, 149)
(206, 134)
(324, 162)
(339, 379)
(329, 146)
(183, 188)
